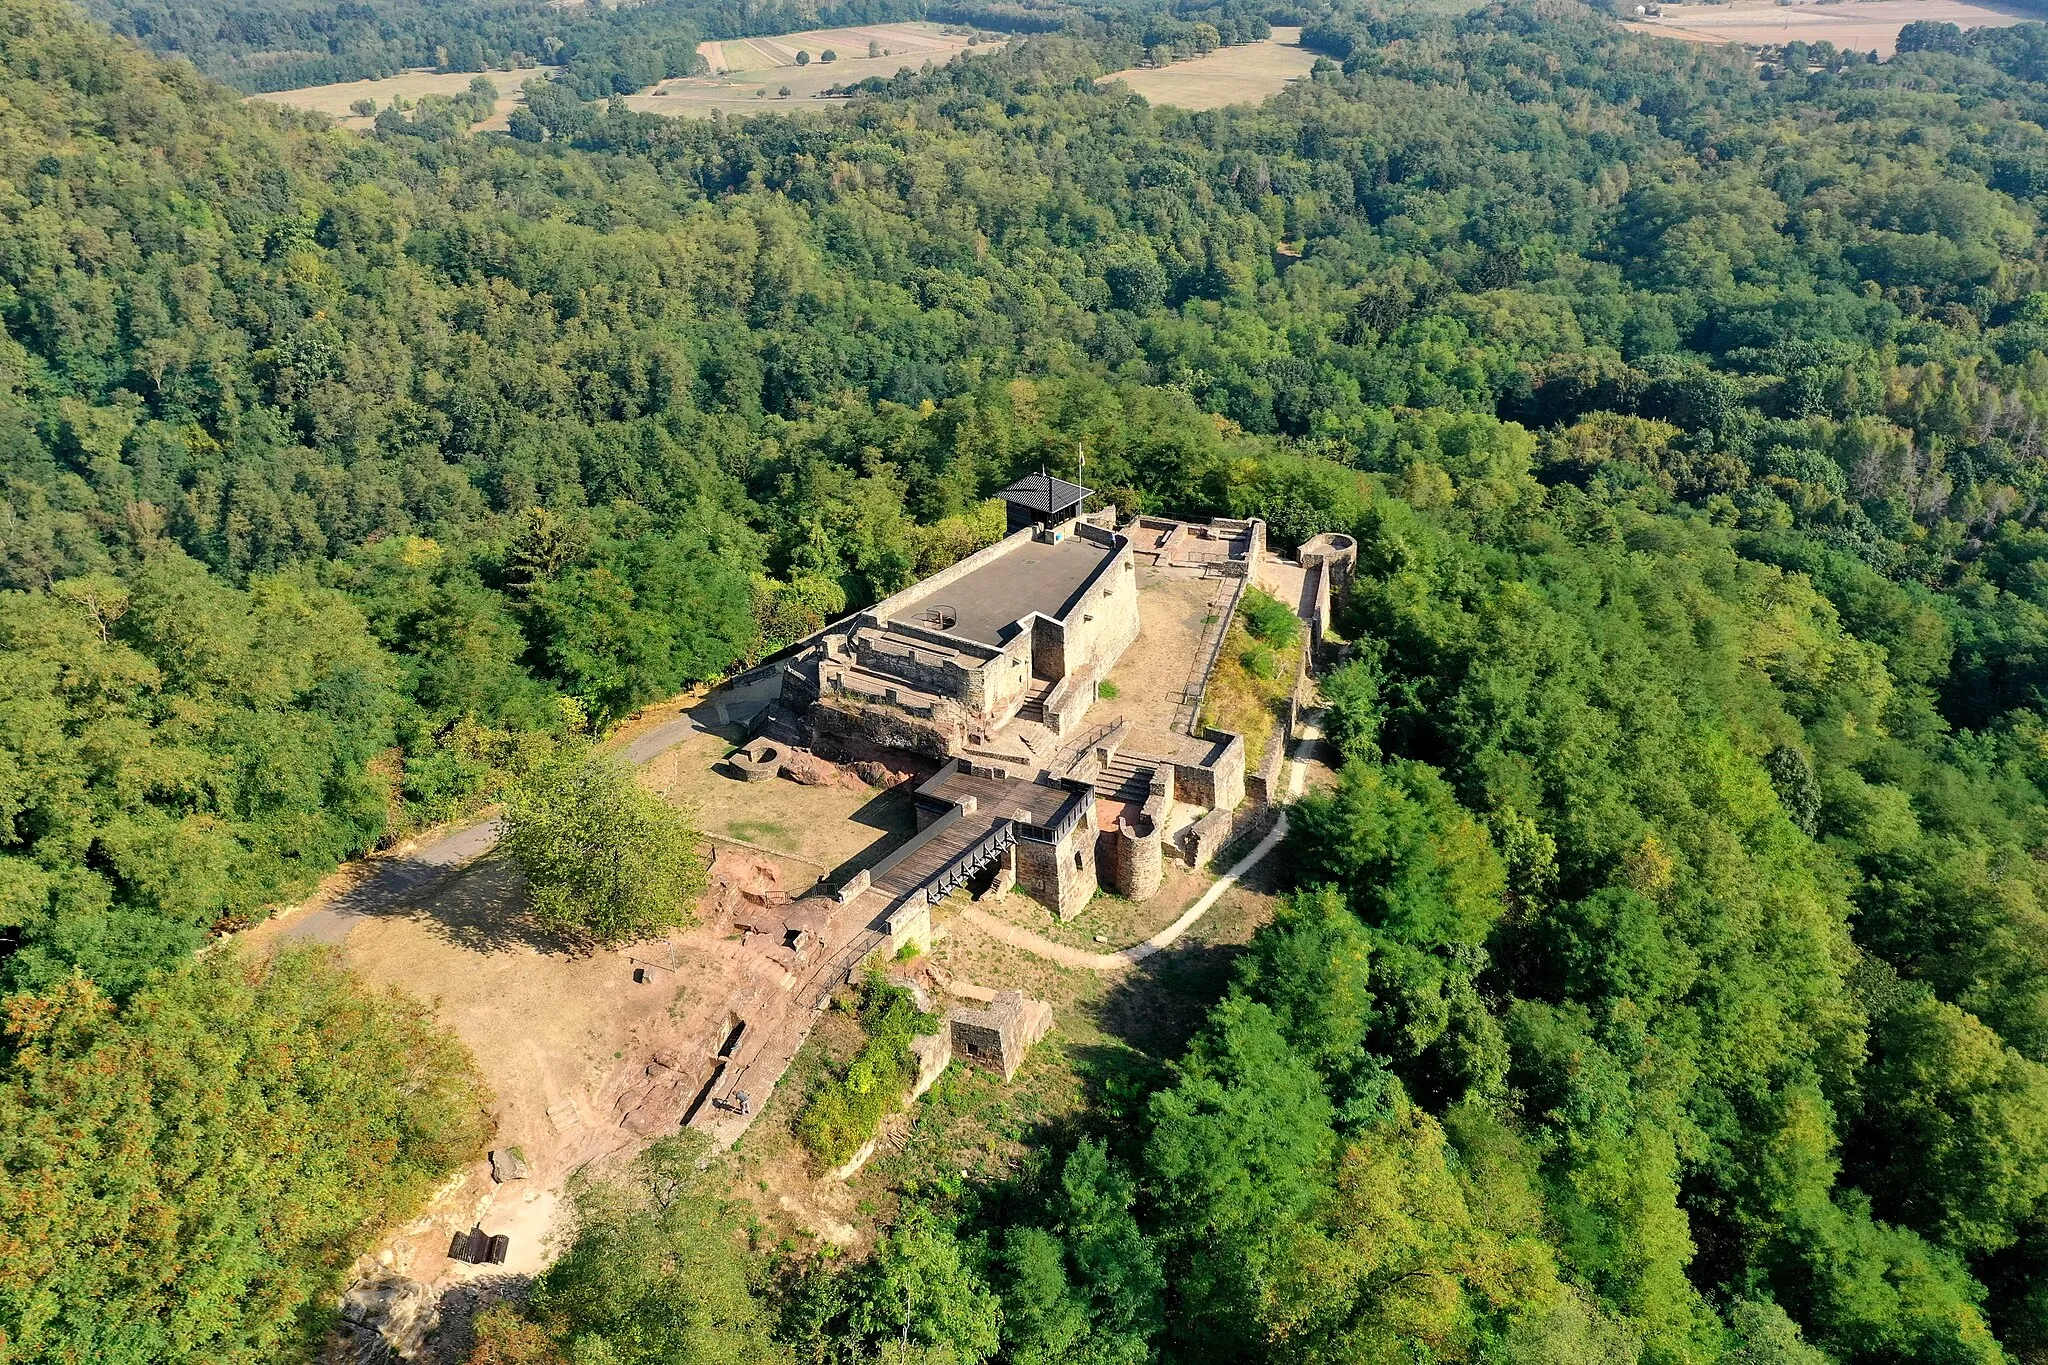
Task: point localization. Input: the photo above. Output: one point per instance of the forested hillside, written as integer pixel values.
(600, 49)
(1664, 979)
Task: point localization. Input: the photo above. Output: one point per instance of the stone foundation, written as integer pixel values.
(844, 728)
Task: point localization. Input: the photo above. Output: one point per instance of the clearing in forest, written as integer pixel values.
(1245, 74)
(335, 100)
(1872, 25)
(748, 75)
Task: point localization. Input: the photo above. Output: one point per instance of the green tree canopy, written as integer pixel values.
(188, 1175)
(601, 855)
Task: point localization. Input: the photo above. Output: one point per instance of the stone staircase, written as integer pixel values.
(1124, 779)
(1033, 709)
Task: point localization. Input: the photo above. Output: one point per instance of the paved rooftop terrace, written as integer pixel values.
(986, 603)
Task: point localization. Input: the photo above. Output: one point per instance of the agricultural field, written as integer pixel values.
(1872, 25)
(748, 75)
(335, 100)
(1231, 75)
(911, 40)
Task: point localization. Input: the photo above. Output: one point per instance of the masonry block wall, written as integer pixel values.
(839, 725)
(1103, 623)
(1061, 875)
(1137, 861)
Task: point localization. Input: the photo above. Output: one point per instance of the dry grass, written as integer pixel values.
(1242, 702)
(1859, 27)
(334, 100)
(748, 75)
(1230, 75)
(1112, 1036)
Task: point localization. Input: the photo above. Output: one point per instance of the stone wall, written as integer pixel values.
(1061, 876)
(1048, 647)
(1216, 779)
(1104, 622)
(1263, 788)
(1205, 838)
(1135, 848)
(839, 722)
(952, 573)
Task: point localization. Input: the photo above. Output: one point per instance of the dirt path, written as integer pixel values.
(379, 885)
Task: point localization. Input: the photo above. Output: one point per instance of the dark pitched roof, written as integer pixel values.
(1044, 493)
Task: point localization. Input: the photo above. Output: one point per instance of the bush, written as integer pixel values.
(1261, 662)
(1352, 711)
(1268, 619)
(846, 1110)
(1106, 690)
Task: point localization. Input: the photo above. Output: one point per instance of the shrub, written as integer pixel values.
(1260, 662)
(1268, 619)
(846, 1110)
(1106, 690)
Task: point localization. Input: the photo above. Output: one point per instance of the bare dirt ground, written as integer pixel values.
(1229, 75)
(335, 100)
(747, 76)
(1148, 678)
(1860, 26)
(571, 1045)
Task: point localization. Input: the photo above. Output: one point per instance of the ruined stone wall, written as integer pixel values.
(1217, 781)
(1135, 848)
(1061, 876)
(1136, 860)
(836, 722)
(926, 670)
(1048, 648)
(1102, 625)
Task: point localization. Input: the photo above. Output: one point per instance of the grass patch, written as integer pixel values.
(758, 831)
(847, 1108)
(1106, 690)
(1270, 621)
(1248, 692)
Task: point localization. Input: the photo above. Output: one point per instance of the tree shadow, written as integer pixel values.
(481, 908)
(1161, 1003)
(893, 814)
(455, 1339)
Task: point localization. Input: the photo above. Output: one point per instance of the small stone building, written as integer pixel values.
(997, 1038)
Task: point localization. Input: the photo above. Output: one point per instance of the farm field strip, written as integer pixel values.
(1870, 25)
(1246, 74)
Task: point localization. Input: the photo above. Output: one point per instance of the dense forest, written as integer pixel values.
(1662, 982)
(600, 49)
